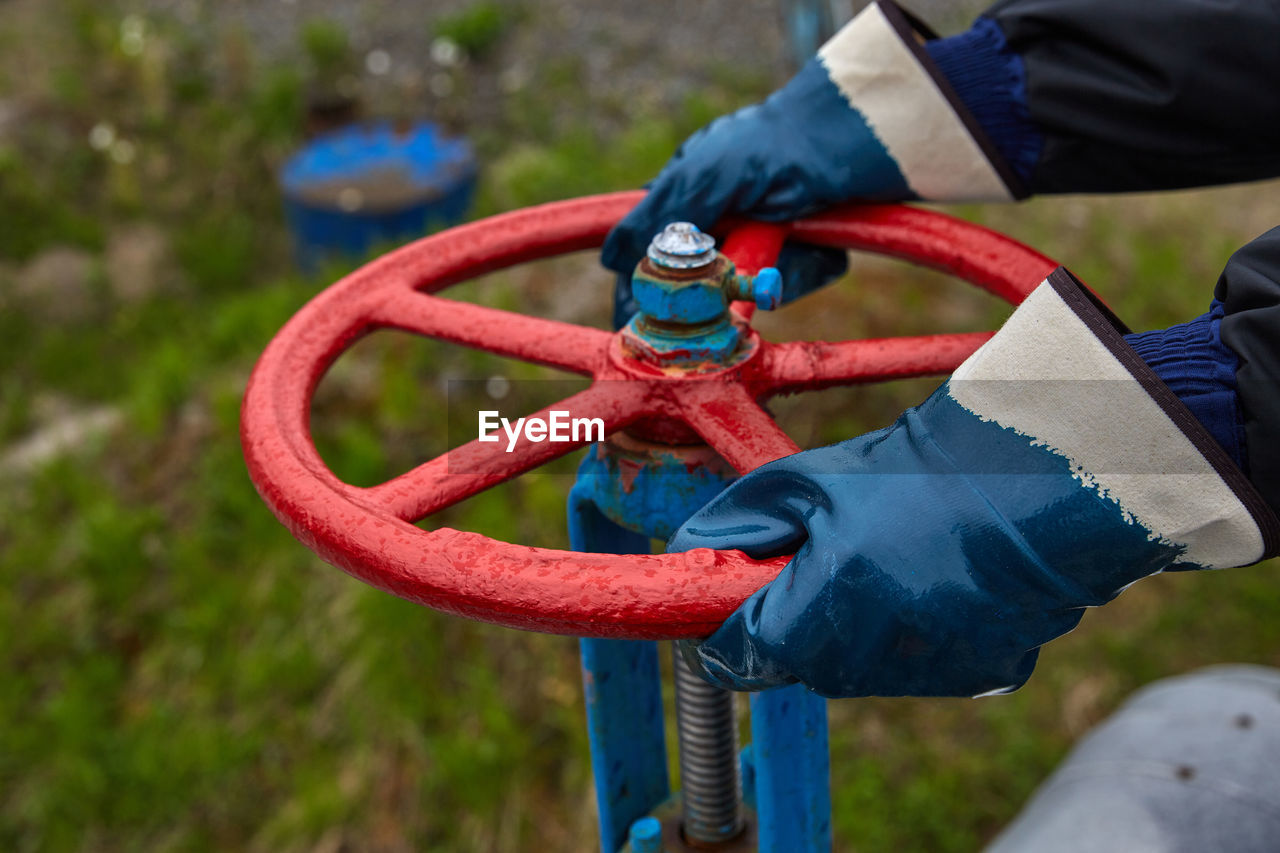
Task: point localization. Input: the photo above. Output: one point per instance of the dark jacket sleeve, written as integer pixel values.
(1249, 290)
(1161, 94)
(1148, 94)
(1114, 95)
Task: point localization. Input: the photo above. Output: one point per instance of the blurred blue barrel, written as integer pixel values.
(368, 185)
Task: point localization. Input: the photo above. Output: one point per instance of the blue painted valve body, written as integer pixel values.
(683, 289)
(636, 486)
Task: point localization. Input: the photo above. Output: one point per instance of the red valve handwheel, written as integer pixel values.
(369, 533)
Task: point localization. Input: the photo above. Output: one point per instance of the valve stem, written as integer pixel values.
(711, 788)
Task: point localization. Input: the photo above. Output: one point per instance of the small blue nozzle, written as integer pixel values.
(646, 836)
(766, 289)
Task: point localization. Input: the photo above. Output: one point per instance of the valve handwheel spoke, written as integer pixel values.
(475, 466)
(736, 427)
(368, 531)
(578, 349)
(810, 365)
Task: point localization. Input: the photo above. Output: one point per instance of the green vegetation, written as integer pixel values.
(477, 28)
(181, 674)
(326, 46)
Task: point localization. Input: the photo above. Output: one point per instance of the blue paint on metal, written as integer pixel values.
(785, 772)
(629, 490)
(683, 314)
(646, 835)
(649, 488)
(715, 342)
(348, 191)
(688, 302)
(766, 289)
(792, 767)
(747, 770)
(623, 696)
(625, 728)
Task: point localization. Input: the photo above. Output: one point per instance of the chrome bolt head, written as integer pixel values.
(682, 246)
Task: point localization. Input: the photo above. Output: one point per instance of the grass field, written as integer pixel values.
(180, 674)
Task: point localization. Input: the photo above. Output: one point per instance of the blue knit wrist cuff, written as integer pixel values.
(991, 81)
(1197, 366)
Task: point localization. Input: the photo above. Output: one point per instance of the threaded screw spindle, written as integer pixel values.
(711, 789)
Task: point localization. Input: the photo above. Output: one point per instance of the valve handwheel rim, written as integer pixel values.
(370, 532)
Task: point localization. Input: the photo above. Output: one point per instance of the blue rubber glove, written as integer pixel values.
(936, 556)
(867, 119)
